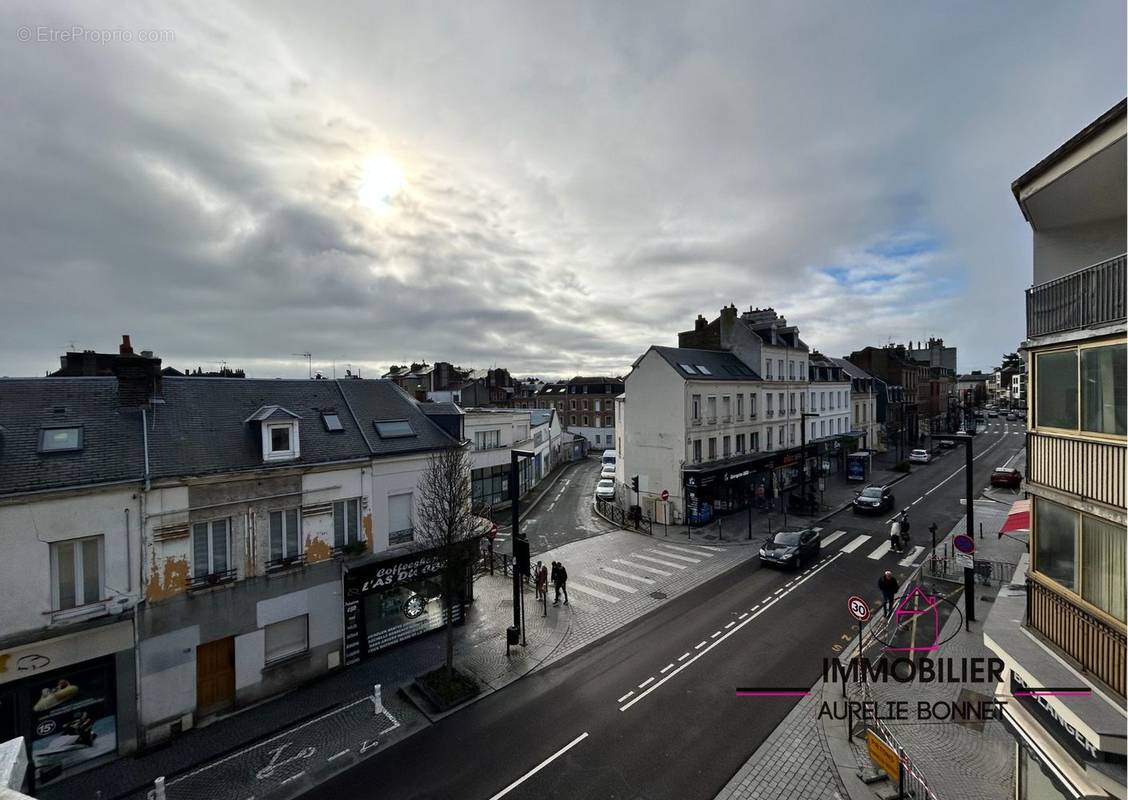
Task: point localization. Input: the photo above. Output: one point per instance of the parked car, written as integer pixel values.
(992, 413)
(1012, 417)
(605, 489)
(920, 456)
(873, 499)
(1006, 476)
(792, 548)
(608, 471)
(946, 444)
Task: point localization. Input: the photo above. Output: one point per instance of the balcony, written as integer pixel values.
(711, 420)
(769, 413)
(1089, 297)
(1097, 647)
(726, 419)
(212, 579)
(1091, 469)
(695, 421)
(284, 563)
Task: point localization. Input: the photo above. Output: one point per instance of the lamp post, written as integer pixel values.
(521, 555)
(969, 572)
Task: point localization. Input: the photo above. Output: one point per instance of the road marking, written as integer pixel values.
(753, 611)
(666, 668)
(659, 561)
(715, 634)
(540, 766)
(646, 567)
(613, 584)
(624, 697)
(657, 684)
(881, 550)
(646, 682)
(916, 501)
(714, 549)
(623, 574)
(700, 644)
(666, 554)
(687, 550)
(908, 560)
(854, 545)
(338, 755)
(778, 592)
(552, 505)
(834, 537)
(579, 587)
(293, 777)
(683, 656)
(730, 624)
(742, 616)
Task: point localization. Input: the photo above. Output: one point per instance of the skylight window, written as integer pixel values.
(332, 422)
(60, 440)
(394, 429)
(688, 369)
(703, 370)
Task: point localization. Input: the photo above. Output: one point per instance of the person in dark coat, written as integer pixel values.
(556, 582)
(564, 583)
(888, 586)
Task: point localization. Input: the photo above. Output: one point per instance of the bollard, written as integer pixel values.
(159, 788)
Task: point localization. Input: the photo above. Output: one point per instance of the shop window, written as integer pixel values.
(285, 535)
(400, 528)
(346, 522)
(211, 548)
(76, 570)
(286, 639)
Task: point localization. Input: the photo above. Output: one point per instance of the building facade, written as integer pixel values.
(864, 393)
(1072, 618)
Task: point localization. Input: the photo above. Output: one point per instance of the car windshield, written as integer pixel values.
(1003, 470)
(606, 484)
(787, 538)
(872, 491)
(919, 452)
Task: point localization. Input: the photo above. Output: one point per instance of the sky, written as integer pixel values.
(551, 188)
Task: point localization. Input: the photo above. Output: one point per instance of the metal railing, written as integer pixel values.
(213, 579)
(276, 564)
(401, 537)
(1097, 647)
(1091, 469)
(986, 572)
(1089, 296)
(622, 516)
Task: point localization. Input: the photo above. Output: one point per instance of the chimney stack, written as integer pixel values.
(125, 349)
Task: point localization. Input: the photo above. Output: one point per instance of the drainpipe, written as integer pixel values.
(145, 442)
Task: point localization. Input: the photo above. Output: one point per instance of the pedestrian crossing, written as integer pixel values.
(644, 567)
(883, 548)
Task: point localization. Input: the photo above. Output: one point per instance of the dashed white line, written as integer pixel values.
(700, 644)
(753, 610)
(540, 766)
(683, 656)
(552, 505)
(730, 624)
(624, 697)
(742, 616)
(666, 668)
(715, 634)
(646, 682)
(338, 755)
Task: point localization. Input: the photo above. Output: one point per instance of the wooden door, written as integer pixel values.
(215, 676)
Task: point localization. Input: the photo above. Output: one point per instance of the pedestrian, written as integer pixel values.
(564, 582)
(542, 581)
(536, 579)
(556, 581)
(888, 586)
(905, 526)
(895, 536)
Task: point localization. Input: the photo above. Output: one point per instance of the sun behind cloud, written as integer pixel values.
(381, 181)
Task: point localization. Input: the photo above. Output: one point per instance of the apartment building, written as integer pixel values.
(829, 401)
(1067, 630)
(492, 434)
(865, 390)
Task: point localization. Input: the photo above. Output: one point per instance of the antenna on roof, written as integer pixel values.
(309, 358)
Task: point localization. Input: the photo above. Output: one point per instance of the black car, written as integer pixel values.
(792, 548)
(873, 499)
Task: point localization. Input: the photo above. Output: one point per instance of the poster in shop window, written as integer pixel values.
(73, 721)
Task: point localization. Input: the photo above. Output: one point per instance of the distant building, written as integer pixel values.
(935, 354)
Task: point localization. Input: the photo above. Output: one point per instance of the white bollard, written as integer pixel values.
(158, 792)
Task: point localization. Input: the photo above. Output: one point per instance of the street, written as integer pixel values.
(614, 719)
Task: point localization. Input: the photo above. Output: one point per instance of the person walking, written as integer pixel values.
(895, 536)
(556, 582)
(904, 526)
(888, 586)
(564, 582)
(537, 580)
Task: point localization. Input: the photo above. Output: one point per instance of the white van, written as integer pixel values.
(609, 458)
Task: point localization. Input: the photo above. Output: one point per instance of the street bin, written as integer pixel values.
(512, 635)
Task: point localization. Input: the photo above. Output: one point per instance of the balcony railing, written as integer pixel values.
(1090, 296)
(1084, 467)
(286, 562)
(212, 579)
(1097, 647)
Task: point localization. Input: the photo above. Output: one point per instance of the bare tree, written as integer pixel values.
(446, 523)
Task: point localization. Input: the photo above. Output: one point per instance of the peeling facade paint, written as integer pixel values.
(369, 536)
(168, 581)
(317, 549)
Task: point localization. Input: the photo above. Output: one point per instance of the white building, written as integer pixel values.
(828, 396)
(864, 392)
(493, 433)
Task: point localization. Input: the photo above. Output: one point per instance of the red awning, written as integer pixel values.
(1018, 518)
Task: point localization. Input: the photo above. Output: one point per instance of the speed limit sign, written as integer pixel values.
(858, 608)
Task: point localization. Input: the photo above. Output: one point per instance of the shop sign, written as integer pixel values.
(855, 469)
(407, 570)
(732, 476)
(73, 720)
(48, 655)
(1062, 731)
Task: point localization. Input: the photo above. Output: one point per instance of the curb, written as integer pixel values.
(530, 506)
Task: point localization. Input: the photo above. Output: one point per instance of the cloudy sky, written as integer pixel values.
(549, 187)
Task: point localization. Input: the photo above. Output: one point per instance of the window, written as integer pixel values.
(782, 435)
(489, 485)
(487, 440)
(332, 422)
(802, 372)
(711, 408)
(573, 408)
(725, 449)
(768, 370)
(791, 403)
(286, 638)
(60, 440)
(712, 448)
(696, 406)
(752, 404)
(739, 443)
(781, 403)
(740, 406)
(687, 369)
(394, 429)
(573, 419)
(76, 572)
(702, 369)
(585, 405)
(346, 522)
(779, 363)
(1082, 553)
(597, 436)
(822, 427)
(755, 442)
(768, 397)
(697, 450)
(400, 527)
(791, 434)
(1103, 385)
(279, 438)
(822, 401)
(285, 535)
(211, 548)
(813, 434)
(791, 370)
(769, 438)
(585, 420)
(1055, 542)
(596, 406)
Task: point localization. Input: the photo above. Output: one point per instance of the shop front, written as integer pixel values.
(70, 697)
(392, 599)
(716, 490)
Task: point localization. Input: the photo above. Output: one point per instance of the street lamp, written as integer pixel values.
(969, 572)
(521, 555)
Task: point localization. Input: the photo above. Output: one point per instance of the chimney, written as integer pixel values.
(700, 323)
(727, 326)
(125, 348)
(139, 377)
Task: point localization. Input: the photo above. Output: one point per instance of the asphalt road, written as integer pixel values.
(651, 711)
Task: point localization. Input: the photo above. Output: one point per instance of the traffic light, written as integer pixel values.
(634, 483)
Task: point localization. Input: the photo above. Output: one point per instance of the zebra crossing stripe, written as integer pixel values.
(882, 549)
(707, 547)
(579, 587)
(666, 554)
(644, 567)
(623, 574)
(622, 587)
(686, 550)
(856, 543)
(834, 537)
(659, 561)
(908, 560)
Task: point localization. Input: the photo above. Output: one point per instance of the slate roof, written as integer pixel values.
(851, 369)
(111, 437)
(540, 416)
(442, 408)
(722, 364)
(200, 427)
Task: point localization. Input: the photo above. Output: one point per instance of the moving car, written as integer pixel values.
(946, 444)
(792, 548)
(608, 471)
(1012, 417)
(992, 413)
(920, 456)
(1006, 476)
(605, 489)
(873, 499)
(609, 457)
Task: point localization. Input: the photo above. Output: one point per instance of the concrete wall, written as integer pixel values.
(654, 431)
(27, 530)
(389, 477)
(1059, 251)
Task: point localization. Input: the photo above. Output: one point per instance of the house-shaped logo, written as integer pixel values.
(922, 612)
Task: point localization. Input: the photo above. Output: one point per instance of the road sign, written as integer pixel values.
(859, 610)
(665, 495)
(963, 543)
(965, 560)
(883, 756)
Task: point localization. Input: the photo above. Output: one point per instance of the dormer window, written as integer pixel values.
(60, 440)
(279, 433)
(280, 439)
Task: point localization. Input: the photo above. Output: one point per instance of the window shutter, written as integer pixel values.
(275, 535)
(339, 524)
(219, 546)
(200, 549)
(292, 545)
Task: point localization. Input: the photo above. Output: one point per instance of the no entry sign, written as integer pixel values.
(963, 543)
(859, 609)
(665, 495)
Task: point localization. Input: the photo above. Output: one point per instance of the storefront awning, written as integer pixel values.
(1018, 518)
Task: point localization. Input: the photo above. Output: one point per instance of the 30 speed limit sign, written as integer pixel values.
(858, 608)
